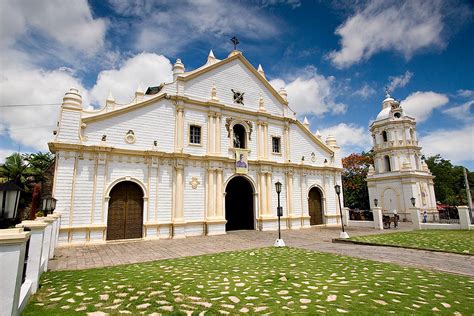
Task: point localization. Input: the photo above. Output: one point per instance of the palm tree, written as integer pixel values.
(14, 169)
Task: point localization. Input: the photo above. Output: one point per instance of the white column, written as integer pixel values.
(33, 269)
(179, 127)
(464, 219)
(259, 141)
(289, 178)
(265, 140)
(415, 217)
(12, 258)
(220, 197)
(217, 148)
(212, 196)
(269, 194)
(263, 194)
(378, 219)
(179, 212)
(48, 234)
(53, 235)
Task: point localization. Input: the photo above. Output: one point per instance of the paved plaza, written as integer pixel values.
(314, 238)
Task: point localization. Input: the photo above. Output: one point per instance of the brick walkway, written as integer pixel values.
(315, 238)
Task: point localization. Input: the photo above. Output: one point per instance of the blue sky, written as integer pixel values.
(333, 58)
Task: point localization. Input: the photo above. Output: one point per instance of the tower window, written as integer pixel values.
(276, 145)
(194, 134)
(388, 166)
(384, 136)
(239, 136)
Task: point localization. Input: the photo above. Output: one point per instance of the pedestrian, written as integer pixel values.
(425, 217)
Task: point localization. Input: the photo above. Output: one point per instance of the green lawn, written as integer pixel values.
(458, 241)
(278, 280)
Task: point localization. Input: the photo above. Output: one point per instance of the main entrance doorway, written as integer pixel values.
(125, 216)
(315, 207)
(239, 205)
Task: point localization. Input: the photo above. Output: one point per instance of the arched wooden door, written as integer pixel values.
(125, 216)
(315, 207)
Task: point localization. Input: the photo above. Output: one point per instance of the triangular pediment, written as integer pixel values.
(233, 74)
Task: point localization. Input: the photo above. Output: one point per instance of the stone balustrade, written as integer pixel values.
(34, 240)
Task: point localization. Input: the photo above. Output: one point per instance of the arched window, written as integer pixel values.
(388, 166)
(239, 136)
(384, 136)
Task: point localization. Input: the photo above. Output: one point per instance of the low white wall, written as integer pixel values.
(376, 223)
(439, 226)
(351, 223)
(464, 220)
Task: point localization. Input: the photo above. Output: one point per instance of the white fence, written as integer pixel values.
(24, 255)
(464, 220)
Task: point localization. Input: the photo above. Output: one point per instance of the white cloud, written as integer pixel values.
(21, 85)
(4, 153)
(420, 104)
(350, 137)
(466, 93)
(406, 27)
(168, 27)
(311, 93)
(462, 112)
(399, 81)
(143, 70)
(365, 91)
(69, 23)
(455, 145)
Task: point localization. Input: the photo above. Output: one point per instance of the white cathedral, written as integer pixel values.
(196, 156)
(398, 174)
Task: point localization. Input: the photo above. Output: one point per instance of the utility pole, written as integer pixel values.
(468, 191)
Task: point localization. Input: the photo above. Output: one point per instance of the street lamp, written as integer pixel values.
(48, 204)
(413, 200)
(343, 234)
(376, 202)
(279, 242)
(9, 197)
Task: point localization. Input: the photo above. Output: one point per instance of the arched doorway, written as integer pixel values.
(125, 216)
(239, 205)
(315, 206)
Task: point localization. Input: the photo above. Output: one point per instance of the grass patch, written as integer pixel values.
(457, 241)
(278, 280)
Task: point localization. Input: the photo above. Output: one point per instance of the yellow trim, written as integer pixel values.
(55, 146)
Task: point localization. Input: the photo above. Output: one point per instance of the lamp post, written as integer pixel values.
(279, 242)
(48, 204)
(9, 197)
(343, 234)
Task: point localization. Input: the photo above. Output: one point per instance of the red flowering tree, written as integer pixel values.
(354, 184)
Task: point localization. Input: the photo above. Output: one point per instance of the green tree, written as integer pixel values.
(38, 163)
(354, 184)
(449, 183)
(15, 169)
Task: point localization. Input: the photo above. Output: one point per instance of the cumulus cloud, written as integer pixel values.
(407, 28)
(462, 112)
(21, 85)
(350, 137)
(465, 93)
(69, 23)
(311, 93)
(365, 91)
(456, 145)
(211, 21)
(420, 104)
(399, 81)
(144, 70)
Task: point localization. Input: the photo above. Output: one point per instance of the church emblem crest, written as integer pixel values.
(238, 96)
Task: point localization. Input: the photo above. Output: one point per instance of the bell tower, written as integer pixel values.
(398, 173)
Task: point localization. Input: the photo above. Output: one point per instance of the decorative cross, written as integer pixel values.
(387, 92)
(235, 41)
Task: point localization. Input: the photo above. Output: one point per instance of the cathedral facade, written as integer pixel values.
(197, 156)
(398, 174)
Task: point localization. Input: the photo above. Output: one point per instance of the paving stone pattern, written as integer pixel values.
(315, 238)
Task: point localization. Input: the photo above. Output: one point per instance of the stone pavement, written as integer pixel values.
(315, 238)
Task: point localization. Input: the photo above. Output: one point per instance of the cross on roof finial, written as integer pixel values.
(387, 92)
(235, 41)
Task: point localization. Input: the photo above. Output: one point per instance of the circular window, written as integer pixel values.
(130, 137)
(397, 115)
